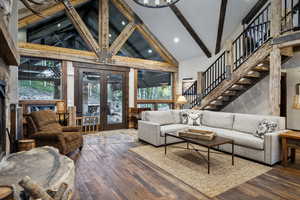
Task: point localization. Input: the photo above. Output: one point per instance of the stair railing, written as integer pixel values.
(291, 16)
(191, 93)
(214, 75)
(252, 38)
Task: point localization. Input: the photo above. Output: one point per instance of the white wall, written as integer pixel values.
(70, 83)
(293, 77)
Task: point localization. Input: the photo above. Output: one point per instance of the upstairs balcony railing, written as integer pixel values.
(291, 16)
(214, 75)
(252, 38)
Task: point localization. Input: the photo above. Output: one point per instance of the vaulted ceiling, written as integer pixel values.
(202, 15)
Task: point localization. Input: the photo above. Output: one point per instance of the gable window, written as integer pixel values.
(40, 79)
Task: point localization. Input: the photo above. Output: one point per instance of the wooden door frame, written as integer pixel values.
(103, 70)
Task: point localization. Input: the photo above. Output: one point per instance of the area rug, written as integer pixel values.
(189, 167)
(113, 137)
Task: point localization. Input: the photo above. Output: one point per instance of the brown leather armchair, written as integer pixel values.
(46, 131)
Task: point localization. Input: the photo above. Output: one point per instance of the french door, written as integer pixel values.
(102, 95)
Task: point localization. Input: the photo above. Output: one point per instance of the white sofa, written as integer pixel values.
(239, 127)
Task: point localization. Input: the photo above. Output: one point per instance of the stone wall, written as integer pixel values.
(253, 101)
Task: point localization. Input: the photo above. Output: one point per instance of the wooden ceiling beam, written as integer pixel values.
(59, 53)
(81, 27)
(104, 24)
(221, 25)
(190, 29)
(122, 38)
(46, 12)
(8, 50)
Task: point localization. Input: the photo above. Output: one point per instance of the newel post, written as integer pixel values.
(275, 60)
(200, 82)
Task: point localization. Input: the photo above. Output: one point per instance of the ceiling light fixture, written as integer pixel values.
(176, 40)
(156, 3)
(150, 51)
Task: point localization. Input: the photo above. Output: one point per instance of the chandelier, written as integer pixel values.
(155, 3)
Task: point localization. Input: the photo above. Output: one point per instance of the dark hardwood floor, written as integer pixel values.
(106, 170)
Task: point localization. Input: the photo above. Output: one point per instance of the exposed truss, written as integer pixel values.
(104, 52)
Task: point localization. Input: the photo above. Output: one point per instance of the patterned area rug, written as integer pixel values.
(113, 137)
(189, 167)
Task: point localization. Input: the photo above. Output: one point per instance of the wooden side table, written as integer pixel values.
(26, 144)
(290, 140)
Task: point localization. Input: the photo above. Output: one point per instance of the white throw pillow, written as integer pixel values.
(264, 127)
(194, 119)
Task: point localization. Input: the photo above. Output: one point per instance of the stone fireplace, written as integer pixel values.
(2, 119)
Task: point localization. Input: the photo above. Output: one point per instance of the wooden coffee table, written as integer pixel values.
(217, 141)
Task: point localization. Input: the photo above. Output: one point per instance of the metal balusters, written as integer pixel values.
(291, 19)
(215, 74)
(252, 38)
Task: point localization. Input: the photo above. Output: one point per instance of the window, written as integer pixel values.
(154, 85)
(154, 90)
(138, 47)
(40, 79)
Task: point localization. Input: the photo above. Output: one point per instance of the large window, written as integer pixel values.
(154, 90)
(40, 79)
(154, 85)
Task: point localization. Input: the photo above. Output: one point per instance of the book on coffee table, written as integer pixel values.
(197, 134)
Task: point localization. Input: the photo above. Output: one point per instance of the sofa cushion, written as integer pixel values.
(249, 123)
(176, 116)
(218, 119)
(44, 119)
(239, 138)
(172, 128)
(71, 136)
(159, 117)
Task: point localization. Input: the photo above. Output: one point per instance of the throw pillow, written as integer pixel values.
(265, 126)
(184, 117)
(194, 119)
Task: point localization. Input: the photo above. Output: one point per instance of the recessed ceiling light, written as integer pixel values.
(123, 23)
(176, 40)
(109, 35)
(150, 51)
(58, 25)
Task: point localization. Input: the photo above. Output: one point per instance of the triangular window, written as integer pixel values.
(138, 47)
(56, 30)
(117, 22)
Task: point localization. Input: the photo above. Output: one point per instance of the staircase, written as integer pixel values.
(243, 64)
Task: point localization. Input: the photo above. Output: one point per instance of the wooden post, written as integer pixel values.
(276, 10)
(229, 56)
(72, 116)
(104, 25)
(175, 79)
(200, 82)
(274, 82)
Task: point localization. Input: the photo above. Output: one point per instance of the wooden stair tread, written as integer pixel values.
(236, 87)
(252, 74)
(217, 103)
(261, 68)
(223, 98)
(229, 93)
(244, 81)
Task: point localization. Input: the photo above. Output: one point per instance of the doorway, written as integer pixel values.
(102, 94)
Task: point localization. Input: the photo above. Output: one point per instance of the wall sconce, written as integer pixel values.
(296, 101)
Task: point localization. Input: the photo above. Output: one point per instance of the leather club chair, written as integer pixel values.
(46, 131)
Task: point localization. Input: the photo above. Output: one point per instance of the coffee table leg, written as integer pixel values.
(165, 144)
(232, 153)
(208, 160)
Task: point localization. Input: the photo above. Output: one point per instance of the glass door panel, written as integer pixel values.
(115, 98)
(91, 96)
